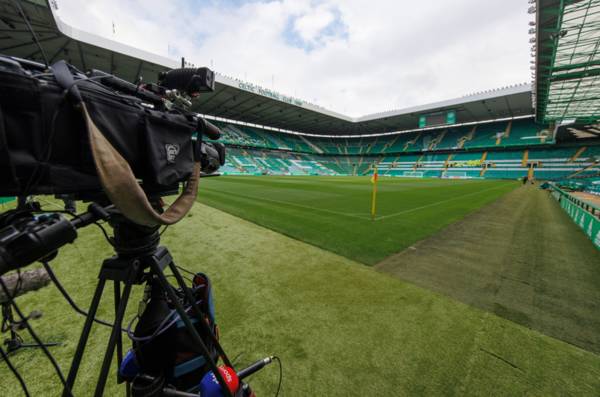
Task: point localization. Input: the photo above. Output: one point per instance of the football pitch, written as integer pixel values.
(342, 328)
(334, 212)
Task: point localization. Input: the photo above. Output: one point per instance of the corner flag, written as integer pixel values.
(374, 179)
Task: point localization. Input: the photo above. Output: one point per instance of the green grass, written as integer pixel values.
(521, 258)
(341, 329)
(344, 329)
(334, 212)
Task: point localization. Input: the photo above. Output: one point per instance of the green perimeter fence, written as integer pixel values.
(584, 214)
(4, 200)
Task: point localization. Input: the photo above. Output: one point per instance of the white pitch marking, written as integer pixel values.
(436, 203)
(292, 204)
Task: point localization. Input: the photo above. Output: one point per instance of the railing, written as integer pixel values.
(586, 215)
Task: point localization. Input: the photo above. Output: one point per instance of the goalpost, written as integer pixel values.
(413, 174)
(455, 175)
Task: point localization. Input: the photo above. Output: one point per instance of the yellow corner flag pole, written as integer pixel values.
(374, 194)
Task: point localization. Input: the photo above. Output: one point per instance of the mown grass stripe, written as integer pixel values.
(438, 203)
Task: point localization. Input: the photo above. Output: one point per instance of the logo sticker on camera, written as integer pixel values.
(172, 152)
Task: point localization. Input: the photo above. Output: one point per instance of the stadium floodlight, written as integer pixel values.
(532, 10)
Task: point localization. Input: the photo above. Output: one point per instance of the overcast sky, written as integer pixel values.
(352, 56)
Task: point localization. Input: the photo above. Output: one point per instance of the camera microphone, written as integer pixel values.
(251, 369)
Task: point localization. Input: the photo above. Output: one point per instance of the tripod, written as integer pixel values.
(15, 342)
(139, 259)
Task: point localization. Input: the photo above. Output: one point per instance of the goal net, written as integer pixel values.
(455, 175)
(413, 174)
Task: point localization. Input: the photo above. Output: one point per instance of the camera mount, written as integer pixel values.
(139, 259)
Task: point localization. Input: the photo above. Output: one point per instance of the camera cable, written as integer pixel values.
(280, 375)
(15, 372)
(70, 301)
(34, 336)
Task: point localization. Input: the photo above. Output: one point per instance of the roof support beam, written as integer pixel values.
(576, 75)
(61, 49)
(29, 43)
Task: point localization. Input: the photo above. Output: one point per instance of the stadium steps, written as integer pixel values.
(360, 160)
(506, 133)
(312, 145)
(373, 144)
(411, 142)
(525, 158)
(483, 171)
(366, 170)
(392, 165)
(337, 162)
(447, 162)
(390, 144)
(468, 137)
(417, 162)
(594, 164)
(279, 143)
(237, 164)
(436, 141)
(577, 154)
(531, 172)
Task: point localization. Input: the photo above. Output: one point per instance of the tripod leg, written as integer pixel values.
(85, 333)
(15, 340)
(205, 328)
(190, 327)
(119, 336)
(114, 336)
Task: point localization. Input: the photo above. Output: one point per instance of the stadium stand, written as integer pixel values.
(475, 144)
(499, 150)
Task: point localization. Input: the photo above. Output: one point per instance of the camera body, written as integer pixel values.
(44, 148)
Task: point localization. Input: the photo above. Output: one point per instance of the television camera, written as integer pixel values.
(121, 146)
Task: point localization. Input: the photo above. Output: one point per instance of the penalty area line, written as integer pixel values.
(437, 203)
(290, 204)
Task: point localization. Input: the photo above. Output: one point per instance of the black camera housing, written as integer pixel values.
(45, 149)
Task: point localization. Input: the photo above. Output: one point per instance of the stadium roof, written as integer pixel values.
(567, 61)
(236, 100)
(233, 99)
